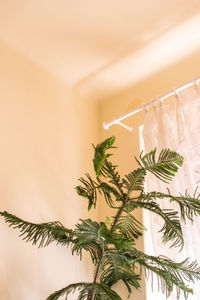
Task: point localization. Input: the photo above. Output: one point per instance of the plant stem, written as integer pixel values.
(119, 212)
(97, 270)
(95, 277)
(118, 215)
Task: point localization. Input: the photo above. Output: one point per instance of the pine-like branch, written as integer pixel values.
(130, 226)
(134, 181)
(189, 204)
(89, 291)
(109, 171)
(171, 229)
(169, 273)
(115, 266)
(41, 234)
(87, 237)
(67, 290)
(105, 168)
(100, 154)
(165, 167)
(90, 189)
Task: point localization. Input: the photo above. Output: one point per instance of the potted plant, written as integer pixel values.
(112, 244)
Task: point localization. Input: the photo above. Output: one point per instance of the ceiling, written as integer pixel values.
(80, 40)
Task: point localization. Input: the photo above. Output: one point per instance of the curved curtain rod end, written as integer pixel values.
(105, 126)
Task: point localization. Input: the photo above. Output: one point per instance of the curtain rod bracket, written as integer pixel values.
(125, 126)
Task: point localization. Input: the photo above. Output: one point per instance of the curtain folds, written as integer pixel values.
(176, 125)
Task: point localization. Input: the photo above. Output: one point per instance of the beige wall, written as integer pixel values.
(129, 99)
(46, 134)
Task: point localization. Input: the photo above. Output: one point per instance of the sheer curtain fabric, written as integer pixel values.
(176, 125)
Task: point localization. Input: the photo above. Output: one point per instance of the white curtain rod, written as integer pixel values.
(133, 112)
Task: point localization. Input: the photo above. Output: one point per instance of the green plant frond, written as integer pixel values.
(130, 226)
(87, 291)
(110, 172)
(114, 238)
(98, 291)
(109, 192)
(134, 181)
(165, 166)
(115, 266)
(100, 155)
(168, 272)
(86, 237)
(105, 168)
(88, 190)
(189, 204)
(171, 229)
(67, 290)
(41, 234)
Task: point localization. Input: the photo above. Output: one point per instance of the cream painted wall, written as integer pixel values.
(46, 134)
(129, 99)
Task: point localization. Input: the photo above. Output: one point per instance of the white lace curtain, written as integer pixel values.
(176, 125)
